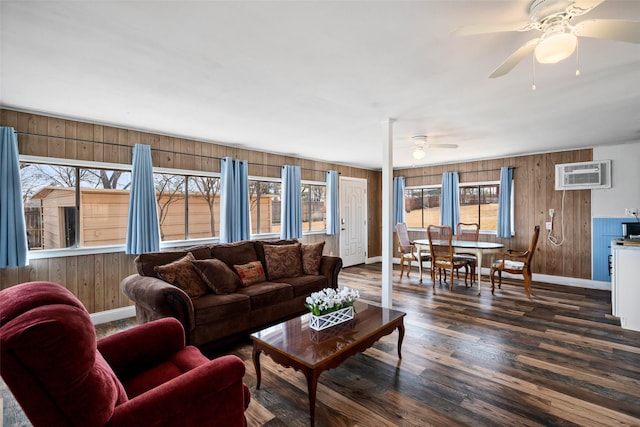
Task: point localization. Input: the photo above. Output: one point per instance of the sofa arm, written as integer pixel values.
(133, 350)
(330, 267)
(156, 299)
(212, 394)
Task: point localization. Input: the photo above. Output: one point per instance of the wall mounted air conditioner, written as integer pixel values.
(584, 175)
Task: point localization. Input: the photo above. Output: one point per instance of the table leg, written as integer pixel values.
(256, 364)
(400, 338)
(312, 385)
(479, 267)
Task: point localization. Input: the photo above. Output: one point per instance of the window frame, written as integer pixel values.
(103, 249)
(477, 184)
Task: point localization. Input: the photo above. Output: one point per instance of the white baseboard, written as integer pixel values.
(111, 315)
(546, 278)
(375, 259)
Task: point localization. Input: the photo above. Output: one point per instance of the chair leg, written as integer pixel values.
(466, 273)
(451, 281)
(527, 282)
(492, 273)
(401, 267)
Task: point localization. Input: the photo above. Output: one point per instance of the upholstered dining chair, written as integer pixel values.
(516, 262)
(442, 257)
(143, 376)
(407, 249)
(468, 232)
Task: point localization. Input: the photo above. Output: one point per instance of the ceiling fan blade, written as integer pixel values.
(515, 58)
(442, 145)
(610, 29)
(469, 30)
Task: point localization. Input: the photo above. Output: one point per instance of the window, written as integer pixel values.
(422, 206)
(61, 214)
(265, 201)
(188, 206)
(314, 207)
(478, 204)
(75, 205)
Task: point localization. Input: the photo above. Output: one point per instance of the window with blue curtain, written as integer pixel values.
(398, 200)
(13, 230)
(143, 228)
(291, 211)
(234, 200)
(333, 213)
(504, 203)
(450, 200)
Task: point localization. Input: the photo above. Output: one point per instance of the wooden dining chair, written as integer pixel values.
(407, 250)
(442, 257)
(468, 232)
(516, 262)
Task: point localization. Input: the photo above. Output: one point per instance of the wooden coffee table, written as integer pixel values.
(293, 344)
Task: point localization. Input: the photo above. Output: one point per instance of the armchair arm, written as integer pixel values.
(211, 394)
(408, 249)
(512, 255)
(157, 299)
(134, 350)
(517, 254)
(330, 267)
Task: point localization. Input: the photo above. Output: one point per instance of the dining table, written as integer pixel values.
(463, 246)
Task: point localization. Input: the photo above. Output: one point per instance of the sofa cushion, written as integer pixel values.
(182, 274)
(267, 294)
(237, 253)
(259, 245)
(212, 307)
(283, 260)
(305, 285)
(145, 263)
(250, 273)
(312, 257)
(217, 275)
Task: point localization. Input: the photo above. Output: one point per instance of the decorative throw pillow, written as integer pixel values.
(217, 275)
(250, 273)
(311, 258)
(283, 260)
(182, 274)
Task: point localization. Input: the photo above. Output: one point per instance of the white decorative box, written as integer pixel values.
(330, 319)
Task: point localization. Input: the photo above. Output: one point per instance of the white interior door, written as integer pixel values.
(353, 221)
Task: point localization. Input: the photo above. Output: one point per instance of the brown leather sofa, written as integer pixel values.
(214, 317)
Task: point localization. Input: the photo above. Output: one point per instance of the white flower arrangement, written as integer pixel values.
(329, 300)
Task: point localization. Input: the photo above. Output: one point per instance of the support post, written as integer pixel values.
(387, 213)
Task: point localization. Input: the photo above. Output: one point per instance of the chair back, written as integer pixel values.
(532, 245)
(440, 243)
(50, 360)
(404, 243)
(467, 231)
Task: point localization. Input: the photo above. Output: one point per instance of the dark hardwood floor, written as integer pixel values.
(557, 359)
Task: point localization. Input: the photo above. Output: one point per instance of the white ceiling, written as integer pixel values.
(316, 79)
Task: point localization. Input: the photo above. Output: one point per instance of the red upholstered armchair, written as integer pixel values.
(143, 376)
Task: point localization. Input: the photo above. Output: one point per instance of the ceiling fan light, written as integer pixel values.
(418, 153)
(555, 47)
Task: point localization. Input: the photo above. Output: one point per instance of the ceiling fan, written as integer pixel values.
(559, 37)
(420, 142)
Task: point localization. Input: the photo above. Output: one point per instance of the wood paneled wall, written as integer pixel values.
(95, 279)
(535, 194)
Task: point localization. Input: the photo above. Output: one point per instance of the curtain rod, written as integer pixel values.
(158, 150)
(439, 174)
